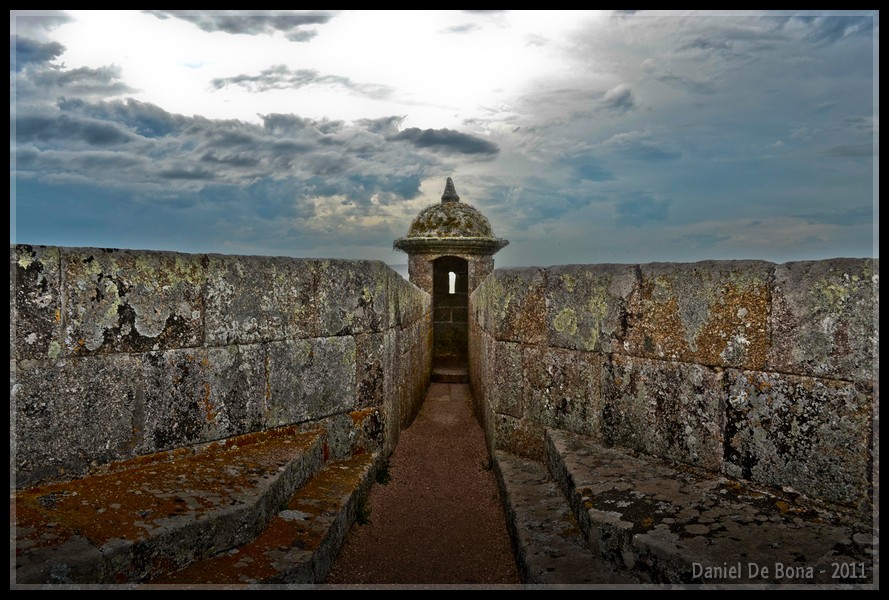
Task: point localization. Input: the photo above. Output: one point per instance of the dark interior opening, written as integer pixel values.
(450, 310)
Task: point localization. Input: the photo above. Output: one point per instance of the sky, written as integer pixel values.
(584, 137)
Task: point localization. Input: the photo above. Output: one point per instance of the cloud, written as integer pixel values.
(833, 28)
(52, 128)
(619, 99)
(850, 150)
(588, 167)
(689, 84)
(446, 140)
(280, 77)
(23, 51)
(860, 215)
(148, 120)
(464, 28)
(640, 146)
(251, 23)
(638, 208)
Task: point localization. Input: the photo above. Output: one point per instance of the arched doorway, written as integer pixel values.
(450, 303)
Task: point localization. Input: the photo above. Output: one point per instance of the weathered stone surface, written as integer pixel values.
(510, 305)
(668, 409)
(562, 388)
(711, 313)
(586, 306)
(179, 407)
(72, 414)
(310, 379)
(156, 513)
(548, 544)
(351, 297)
(35, 315)
(521, 437)
(825, 319)
(813, 435)
(128, 301)
(254, 299)
(660, 520)
(238, 392)
(370, 369)
(505, 395)
(301, 542)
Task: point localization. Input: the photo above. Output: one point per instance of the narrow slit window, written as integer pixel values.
(452, 283)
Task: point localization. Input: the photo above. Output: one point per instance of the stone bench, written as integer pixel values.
(155, 514)
(301, 542)
(670, 523)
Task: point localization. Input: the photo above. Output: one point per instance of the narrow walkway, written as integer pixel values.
(439, 519)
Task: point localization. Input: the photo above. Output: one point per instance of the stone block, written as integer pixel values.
(667, 409)
(510, 305)
(73, 414)
(129, 301)
(825, 319)
(586, 306)
(813, 435)
(351, 297)
(310, 379)
(712, 313)
(370, 370)
(252, 299)
(35, 307)
(562, 389)
(180, 408)
(238, 391)
(521, 437)
(505, 394)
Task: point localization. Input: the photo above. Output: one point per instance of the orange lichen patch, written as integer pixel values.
(286, 544)
(360, 416)
(740, 317)
(735, 331)
(154, 494)
(209, 411)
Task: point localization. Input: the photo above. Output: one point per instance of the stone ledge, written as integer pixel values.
(671, 523)
(158, 513)
(301, 542)
(549, 546)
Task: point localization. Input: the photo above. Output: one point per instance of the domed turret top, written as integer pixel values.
(450, 225)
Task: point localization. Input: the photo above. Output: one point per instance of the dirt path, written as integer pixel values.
(439, 520)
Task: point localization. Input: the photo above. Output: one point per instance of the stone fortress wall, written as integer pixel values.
(759, 371)
(120, 353)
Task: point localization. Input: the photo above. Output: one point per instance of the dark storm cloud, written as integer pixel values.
(65, 128)
(146, 119)
(638, 208)
(281, 77)
(84, 81)
(249, 23)
(446, 140)
(24, 51)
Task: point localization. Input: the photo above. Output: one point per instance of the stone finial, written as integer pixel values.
(450, 194)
